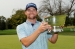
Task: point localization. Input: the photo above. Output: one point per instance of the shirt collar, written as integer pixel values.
(28, 22)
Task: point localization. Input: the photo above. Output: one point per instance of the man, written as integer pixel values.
(32, 33)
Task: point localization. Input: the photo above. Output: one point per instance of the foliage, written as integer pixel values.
(2, 23)
(74, 20)
(8, 23)
(70, 21)
(17, 18)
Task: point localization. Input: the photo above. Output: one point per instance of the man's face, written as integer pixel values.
(31, 13)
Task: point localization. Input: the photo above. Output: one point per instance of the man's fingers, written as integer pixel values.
(50, 27)
(44, 23)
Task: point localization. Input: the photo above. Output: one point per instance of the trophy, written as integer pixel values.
(57, 22)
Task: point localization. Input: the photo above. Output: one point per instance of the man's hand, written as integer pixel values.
(44, 26)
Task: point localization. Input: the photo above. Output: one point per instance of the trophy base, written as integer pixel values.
(57, 29)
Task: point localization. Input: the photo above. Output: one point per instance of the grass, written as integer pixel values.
(9, 40)
(8, 32)
(69, 28)
(64, 42)
(12, 42)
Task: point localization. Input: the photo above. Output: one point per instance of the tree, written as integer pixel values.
(56, 7)
(8, 23)
(17, 18)
(70, 8)
(2, 23)
(74, 20)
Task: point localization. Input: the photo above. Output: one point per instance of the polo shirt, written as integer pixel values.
(26, 29)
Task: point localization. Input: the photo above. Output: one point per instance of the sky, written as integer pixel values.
(8, 6)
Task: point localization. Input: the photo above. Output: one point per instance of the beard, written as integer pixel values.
(33, 17)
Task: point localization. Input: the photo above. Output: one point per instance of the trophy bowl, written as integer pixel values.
(57, 22)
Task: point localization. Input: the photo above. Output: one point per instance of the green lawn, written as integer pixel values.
(12, 42)
(9, 42)
(66, 40)
(8, 32)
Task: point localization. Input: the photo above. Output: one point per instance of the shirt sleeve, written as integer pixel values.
(21, 32)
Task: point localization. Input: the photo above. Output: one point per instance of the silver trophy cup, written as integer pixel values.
(57, 22)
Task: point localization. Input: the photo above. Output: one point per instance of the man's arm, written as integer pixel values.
(30, 39)
(54, 38)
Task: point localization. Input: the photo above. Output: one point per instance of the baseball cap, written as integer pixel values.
(31, 5)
